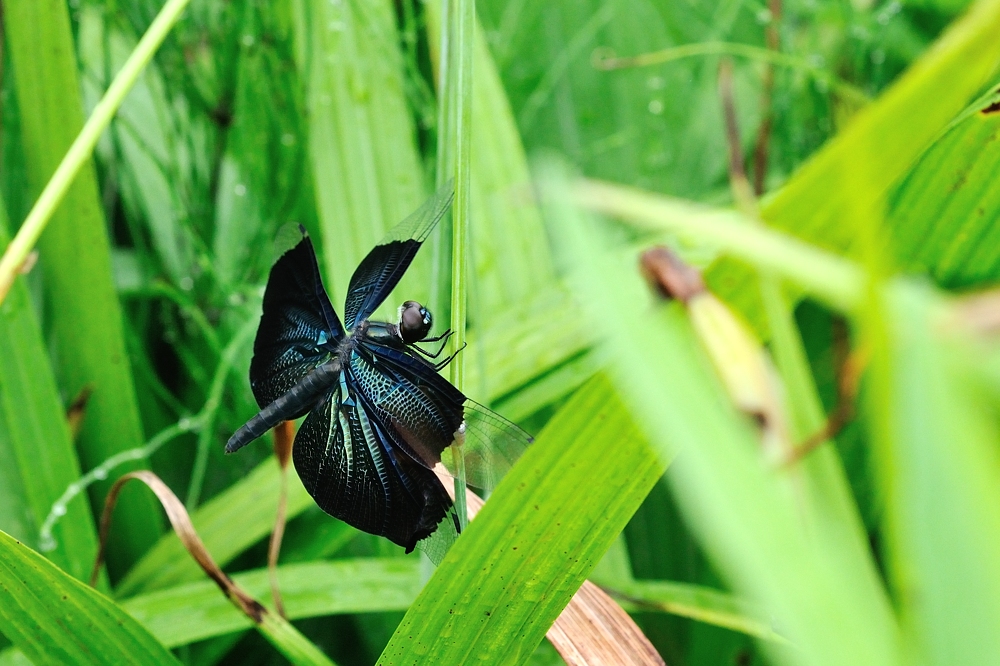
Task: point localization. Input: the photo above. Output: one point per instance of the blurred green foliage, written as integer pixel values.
(881, 130)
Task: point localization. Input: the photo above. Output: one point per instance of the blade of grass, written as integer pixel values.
(937, 463)
(37, 444)
(455, 161)
(940, 84)
(837, 281)
(83, 146)
(743, 514)
(56, 619)
(943, 217)
(81, 304)
(507, 244)
(365, 165)
(696, 602)
(520, 561)
(195, 611)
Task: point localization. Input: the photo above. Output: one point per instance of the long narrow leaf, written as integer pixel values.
(536, 539)
(82, 308)
(889, 132)
(195, 611)
(56, 619)
(35, 437)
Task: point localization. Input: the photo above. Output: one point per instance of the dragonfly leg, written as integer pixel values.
(442, 364)
(443, 338)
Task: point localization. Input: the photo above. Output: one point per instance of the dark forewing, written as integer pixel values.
(382, 269)
(347, 463)
(426, 411)
(298, 327)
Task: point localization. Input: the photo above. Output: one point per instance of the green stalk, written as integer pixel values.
(83, 146)
(837, 281)
(455, 150)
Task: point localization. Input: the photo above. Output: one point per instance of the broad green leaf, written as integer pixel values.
(195, 611)
(820, 203)
(508, 243)
(365, 166)
(228, 524)
(549, 521)
(55, 619)
(943, 218)
(937, 458)
(81, 308)
(747, 515)
(537, 336)
(35, 439)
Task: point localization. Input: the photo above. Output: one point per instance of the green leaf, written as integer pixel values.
(937, 459)
(542, 531)
(943, 217)
(55, 619)
(192, 612)
(698, 603)
(81, 307)
(228, 524)
(750, 518)
(34, 436)
(887, 136)
(365, 165)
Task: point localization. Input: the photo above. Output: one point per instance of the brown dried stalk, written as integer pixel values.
(284, 434)
(185, 531)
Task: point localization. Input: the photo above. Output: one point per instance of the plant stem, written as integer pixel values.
(83, 147)
(839, 282)
(456, 85)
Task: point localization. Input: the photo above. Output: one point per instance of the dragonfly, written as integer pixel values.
(378, 415)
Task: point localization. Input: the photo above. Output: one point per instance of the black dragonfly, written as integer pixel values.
(379, 414)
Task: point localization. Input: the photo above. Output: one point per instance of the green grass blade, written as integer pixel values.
(455, 163)
(56, 619)
(943, 218)
(291, 643)
(80, 151)
(746, 515)
(696, 602)
(35, 438)
(888, 132)
(542, 531)
(81, 306)
(937, 462)
(365, 165)
(196, 611)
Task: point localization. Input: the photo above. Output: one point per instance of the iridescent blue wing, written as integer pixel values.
(298, 327)
(382, 269)
(427, 413)
(346, 459)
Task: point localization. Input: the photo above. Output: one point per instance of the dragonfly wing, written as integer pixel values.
(491, 446)
(298, 326)
(347, 463)
(424, 410)
(384, 266)
(427, 412)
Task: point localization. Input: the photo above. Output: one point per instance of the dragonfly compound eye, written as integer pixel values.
(415, 322)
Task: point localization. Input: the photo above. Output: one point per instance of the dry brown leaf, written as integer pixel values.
(284, 435)
(181, 523)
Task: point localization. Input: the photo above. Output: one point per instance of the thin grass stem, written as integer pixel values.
(83, 146)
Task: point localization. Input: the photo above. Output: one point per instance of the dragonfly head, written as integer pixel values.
(415, 322)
